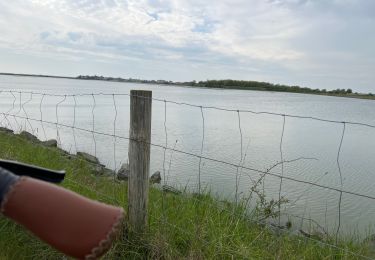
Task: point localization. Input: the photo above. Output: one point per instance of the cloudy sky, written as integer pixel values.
(312, 43)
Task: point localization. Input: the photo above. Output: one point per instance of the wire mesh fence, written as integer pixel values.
(196, 155)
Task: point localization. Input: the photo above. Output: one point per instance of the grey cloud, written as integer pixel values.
(287, 41)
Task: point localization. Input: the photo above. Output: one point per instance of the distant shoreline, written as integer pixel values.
(35, 75)
(217, 84)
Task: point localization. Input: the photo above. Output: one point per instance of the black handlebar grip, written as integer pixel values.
(23, 169)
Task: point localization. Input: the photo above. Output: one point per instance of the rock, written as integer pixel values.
(100, 170)
(155, 178)
(50, 143)
(123, 172)
(170, 189)
(103, 171)
(315, 234)
(96, 170)
(6, 130)
(70, 156)
(63, 151)
(29, 136)
(108, 172)
(88, 157)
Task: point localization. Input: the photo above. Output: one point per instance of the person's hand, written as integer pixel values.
(71, 223)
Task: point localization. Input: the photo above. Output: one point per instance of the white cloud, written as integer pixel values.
(253, 36)
(290, 36)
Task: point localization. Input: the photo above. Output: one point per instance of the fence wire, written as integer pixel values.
(18, 106)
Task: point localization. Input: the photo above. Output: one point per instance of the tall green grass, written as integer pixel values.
(181, 226)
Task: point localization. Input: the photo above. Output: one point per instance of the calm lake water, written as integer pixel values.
(261, 136)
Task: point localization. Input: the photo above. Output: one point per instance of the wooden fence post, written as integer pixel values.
(139, 158)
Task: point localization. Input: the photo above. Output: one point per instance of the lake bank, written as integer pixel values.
(180, 225)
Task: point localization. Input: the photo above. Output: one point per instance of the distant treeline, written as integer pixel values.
(87, 77)
(256, 85)
(236, 84)
(227, 84)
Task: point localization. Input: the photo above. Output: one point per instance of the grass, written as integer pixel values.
(189, 227)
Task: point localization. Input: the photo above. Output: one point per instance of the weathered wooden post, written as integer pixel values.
(139, 158)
